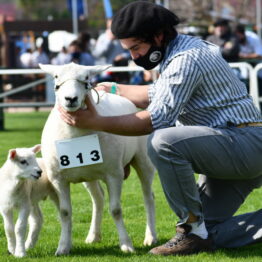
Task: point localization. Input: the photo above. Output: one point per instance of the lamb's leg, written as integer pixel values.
(97, 195)
(20, 231)
(145, 171)
(114, 185)
(35, 224)
(9, 230)
(65, 211)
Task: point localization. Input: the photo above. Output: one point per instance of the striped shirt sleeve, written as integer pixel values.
(173, 89)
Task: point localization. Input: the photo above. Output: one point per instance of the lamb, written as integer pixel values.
(21, 187)
(118, 152)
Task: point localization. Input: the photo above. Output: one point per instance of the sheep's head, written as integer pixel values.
(24, 164)
(72, 82)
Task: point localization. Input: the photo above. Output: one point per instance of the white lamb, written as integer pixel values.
(118, 152)
(22, 188)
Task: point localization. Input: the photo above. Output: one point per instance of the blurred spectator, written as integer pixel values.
(108, 49)
(225, 39)
(26, 60)
(39, 56)
(61, 58)
(25, 42)
(251, 52)
(84, 41)
(142, 78)
(250, 43)
(76, 55)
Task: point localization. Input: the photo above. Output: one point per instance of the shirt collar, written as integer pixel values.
(172, 48)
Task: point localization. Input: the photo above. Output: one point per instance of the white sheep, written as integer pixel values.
(22, 188)
(118, 152)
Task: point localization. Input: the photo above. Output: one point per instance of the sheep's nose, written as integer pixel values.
(39, 173)
(71, 100)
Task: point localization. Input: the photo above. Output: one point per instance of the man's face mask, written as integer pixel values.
(152, 58)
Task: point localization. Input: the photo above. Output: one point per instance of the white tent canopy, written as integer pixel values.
(59, 39)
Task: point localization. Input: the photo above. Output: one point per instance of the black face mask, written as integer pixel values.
(152, 58)
(76, 55)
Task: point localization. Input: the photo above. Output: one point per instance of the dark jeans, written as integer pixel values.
(230, 161)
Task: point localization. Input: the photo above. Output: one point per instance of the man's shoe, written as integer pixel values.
(183, 243)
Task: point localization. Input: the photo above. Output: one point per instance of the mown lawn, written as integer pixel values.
(23, 130)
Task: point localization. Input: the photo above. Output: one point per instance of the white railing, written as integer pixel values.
(5, 72)
(255, 76)
(252, 74)
(253, 86)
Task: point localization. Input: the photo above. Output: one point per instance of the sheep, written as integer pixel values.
(118, 152)
(22, 188)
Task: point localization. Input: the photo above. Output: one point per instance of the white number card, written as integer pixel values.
(79, 151)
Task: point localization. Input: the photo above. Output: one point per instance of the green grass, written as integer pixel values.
(24, 130)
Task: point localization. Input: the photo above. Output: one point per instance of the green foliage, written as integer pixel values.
(41, 10)
(24, 129)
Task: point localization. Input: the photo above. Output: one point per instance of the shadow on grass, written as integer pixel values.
(113, 251)
(93, 250)
(98, 250)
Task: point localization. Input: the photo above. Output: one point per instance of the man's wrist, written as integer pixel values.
(114, 88)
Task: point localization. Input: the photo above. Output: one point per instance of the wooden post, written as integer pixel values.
(2, 117)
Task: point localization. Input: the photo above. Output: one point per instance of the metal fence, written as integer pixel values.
(251, 75)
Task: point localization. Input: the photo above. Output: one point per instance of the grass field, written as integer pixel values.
(23, 130)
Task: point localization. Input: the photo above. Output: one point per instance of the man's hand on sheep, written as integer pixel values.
(109, 87)
(135, 124)
(83, 118)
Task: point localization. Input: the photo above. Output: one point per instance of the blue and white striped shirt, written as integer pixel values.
(197, 87)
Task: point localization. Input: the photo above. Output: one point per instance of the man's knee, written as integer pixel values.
(163, 138)
(155, 143)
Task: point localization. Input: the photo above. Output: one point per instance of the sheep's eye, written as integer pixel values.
(56, 76)
(88, 85)
(24, 162)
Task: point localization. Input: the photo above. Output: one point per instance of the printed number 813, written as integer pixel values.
(94, 156)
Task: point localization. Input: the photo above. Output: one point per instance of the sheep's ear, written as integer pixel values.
(94, 70)
(12, 154)
(99, 68)
(50, 69)
(36, 148)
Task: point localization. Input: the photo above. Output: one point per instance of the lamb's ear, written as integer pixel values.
(36, 148)
(12, 154)
(50, 69)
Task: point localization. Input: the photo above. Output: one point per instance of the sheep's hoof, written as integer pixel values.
(150, 240)
(20, 254)
(127, 248)
(28, 245)
(62, 252)
(93, 238)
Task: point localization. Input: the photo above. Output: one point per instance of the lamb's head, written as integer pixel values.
(72, 83)
(23, 164)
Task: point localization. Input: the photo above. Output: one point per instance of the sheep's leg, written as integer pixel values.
(20, 231)
(97, 195)
(35, 224)
(145, 171)
(9, 230)
(114, 185)
(65, 211)
(54, 197)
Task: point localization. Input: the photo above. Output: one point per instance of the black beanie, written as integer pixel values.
(140, 19)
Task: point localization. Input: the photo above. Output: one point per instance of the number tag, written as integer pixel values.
(79, 151)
